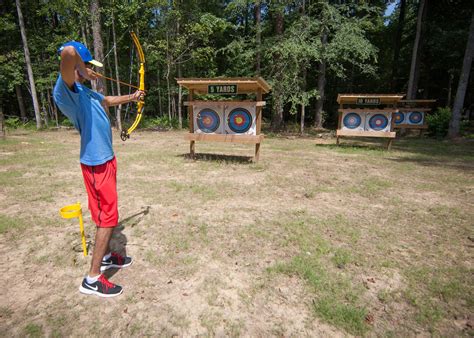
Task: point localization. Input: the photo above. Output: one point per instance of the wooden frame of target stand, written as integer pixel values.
(238, 85)
(369, 103)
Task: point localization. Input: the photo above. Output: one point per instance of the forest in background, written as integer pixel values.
(309, 52)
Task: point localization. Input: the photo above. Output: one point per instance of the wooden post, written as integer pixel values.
(257, 153)
(259, 124)
(192, 147)
(389, 144)
(339, 122)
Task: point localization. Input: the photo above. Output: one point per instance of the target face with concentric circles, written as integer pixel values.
(208, 120)
(415, 117)
(239, 120)
(378, 122)
(352, 120)
(399, 118)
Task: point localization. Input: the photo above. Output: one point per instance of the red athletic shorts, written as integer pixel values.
(101, 185)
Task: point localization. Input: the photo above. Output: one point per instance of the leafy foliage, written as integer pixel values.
(438, 122)
(195, 38)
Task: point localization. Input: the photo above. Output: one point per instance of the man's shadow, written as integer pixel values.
(118, 242)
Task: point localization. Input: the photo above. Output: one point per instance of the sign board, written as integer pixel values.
(368, 100)
(228, 89)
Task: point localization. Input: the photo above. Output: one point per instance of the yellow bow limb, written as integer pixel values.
(140, 104)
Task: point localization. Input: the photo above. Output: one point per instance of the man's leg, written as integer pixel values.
(101, 247)
(96, 283)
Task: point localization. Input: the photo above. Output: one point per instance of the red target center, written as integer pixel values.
(207, 120)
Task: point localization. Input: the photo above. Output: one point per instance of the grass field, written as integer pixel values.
(314, 240)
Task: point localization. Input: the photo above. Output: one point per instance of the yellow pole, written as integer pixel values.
(75, 211)
(83, 235)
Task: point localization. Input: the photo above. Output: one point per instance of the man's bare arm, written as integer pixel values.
(111, 101)
(70, 61)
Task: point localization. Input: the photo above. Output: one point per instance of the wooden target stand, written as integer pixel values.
(412, 114)
(224, 86)
(367, 115)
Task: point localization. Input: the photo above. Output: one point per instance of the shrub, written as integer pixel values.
(163, 122)
(13, 123)
(438, 122)
(66, 123)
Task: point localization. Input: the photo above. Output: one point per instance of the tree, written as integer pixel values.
(463, 81)
(278, 89)
(415, 60)
(98, 45)
(342, 32)
(398, 40)
(28, 66)
(118, 111)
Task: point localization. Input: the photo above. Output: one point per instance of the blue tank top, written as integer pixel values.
(83, 108)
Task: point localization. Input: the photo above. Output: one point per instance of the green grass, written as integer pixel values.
(33, 330)
(377, 243)
(8, 223)
(337, 299)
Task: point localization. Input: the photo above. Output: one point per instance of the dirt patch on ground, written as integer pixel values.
(314, 240)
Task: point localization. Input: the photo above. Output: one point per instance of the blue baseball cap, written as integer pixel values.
(82, 51)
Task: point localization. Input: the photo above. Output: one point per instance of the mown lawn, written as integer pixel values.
(314, 240)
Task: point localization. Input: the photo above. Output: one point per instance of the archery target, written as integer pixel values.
(353, 121)
(208, 120)
(415, 117)
(378, 122)
(400, 118)
(240, 118)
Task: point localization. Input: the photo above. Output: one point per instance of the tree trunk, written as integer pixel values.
(414, 68)
(303, 112)
(168, 72)
(21, 102)
(44, 110)
(28, 67)
(450, 89)
(258, 36)
(118, 110)
(318, 117)
(398, 39)
(160, 103)
(54, 113)
(83, 34)
(2, 123)
(180, 89)
(454, 124)
(98, 44)
(277, 118)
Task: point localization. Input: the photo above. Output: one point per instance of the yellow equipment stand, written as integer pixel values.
(73, 211)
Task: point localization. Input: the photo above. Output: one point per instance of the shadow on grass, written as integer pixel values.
(118, 242)
(443, 162)
(219, 158)
(349, 147)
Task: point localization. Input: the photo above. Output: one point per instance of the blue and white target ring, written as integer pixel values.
(399, 118)
(378, 122)
(208, 120)
(352, 120)
(415, 117)
(239, 120)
